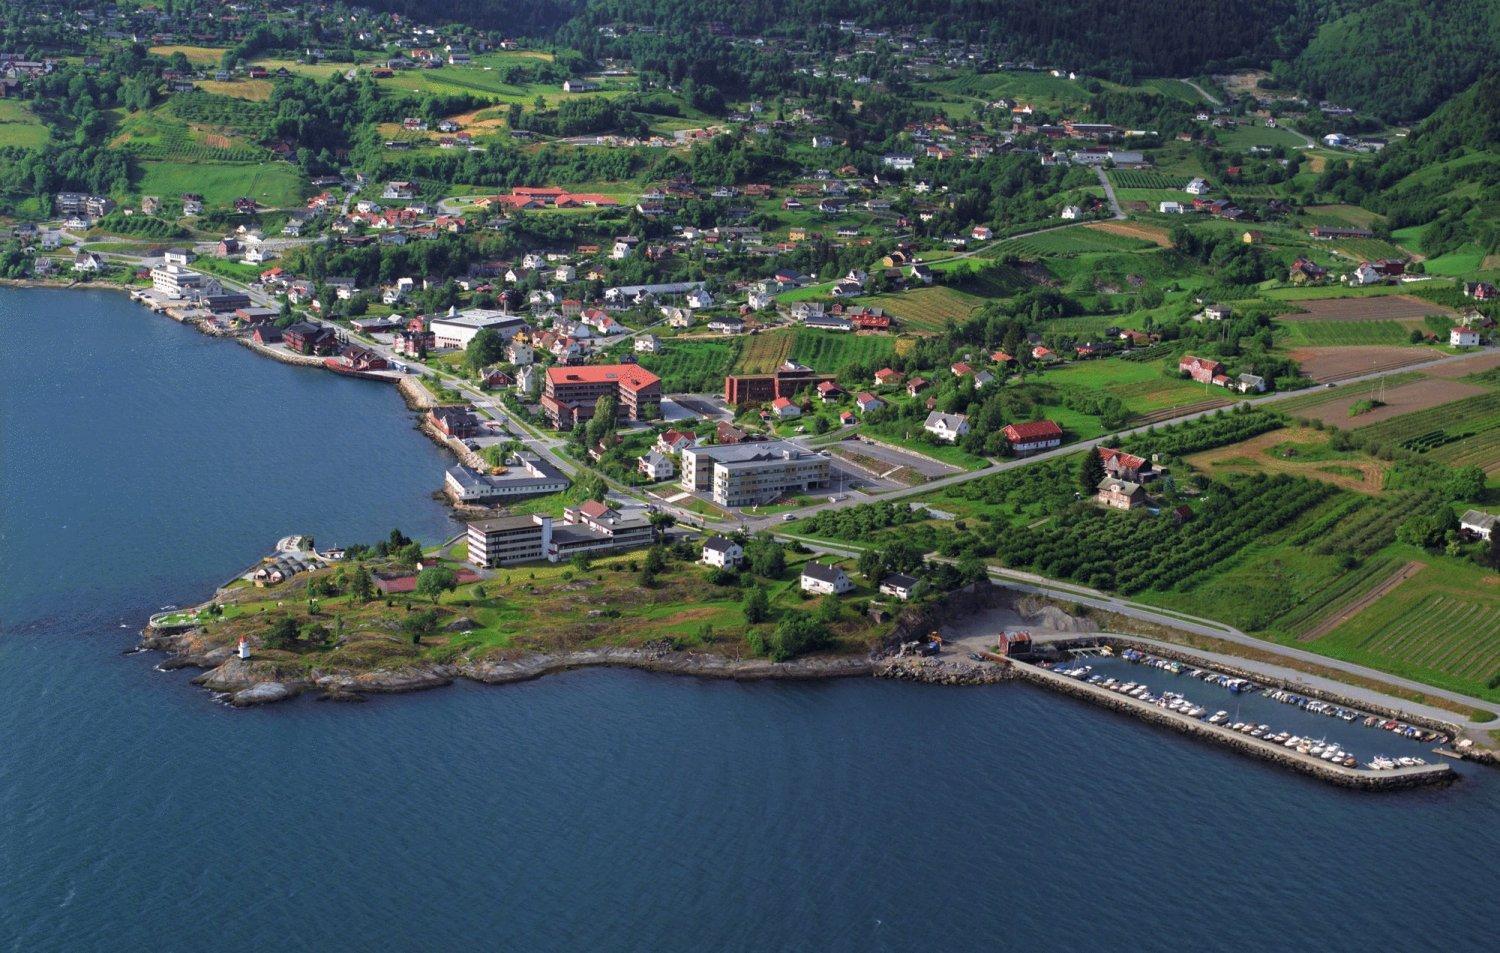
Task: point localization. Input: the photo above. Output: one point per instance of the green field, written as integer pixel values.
(1442, 626)
(20, 127)
(1335, 333)
(1066, 241)
(828, 351)
(276, 184)
(1141, 385)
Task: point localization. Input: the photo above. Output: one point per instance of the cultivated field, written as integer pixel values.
(763, 353)
(1463, 431)
(927, 309)
(1344, 333)
(1148, 233)
(1146, 179)
(1478, 364)
(1441, 625)
(1065, 241)
(1393, 307)
(1336, 363)
(1298, 452)
(275, 184)
(1401, 399)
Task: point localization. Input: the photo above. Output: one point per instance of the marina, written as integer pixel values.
(1334, 742)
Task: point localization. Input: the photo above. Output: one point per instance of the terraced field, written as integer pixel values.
(695, 365)
(828, 351)
(763, 353)
(927, 309)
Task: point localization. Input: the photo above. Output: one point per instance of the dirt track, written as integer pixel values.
(1362, 603)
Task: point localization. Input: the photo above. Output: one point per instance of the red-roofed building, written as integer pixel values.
(1200, 369)
(959, 369)
(1033, 437)
(1126, 466)
(887, 376)
(1000, 357)
(570, 393)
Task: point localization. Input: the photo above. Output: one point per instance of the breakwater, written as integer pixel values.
(1364, 779)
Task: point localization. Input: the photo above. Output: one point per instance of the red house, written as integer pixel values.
(1033, 437)
(454, 421)
(1200, 369)
(307, 338)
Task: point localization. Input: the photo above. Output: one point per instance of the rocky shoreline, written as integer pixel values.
(248, 682)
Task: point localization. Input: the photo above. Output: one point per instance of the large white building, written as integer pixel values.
(750, 474)
(525, 476)
(458, 328)
(174, 281)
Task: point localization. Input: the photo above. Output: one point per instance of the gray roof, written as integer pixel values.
(822, 573)
(718, 544)
(900, 580)
(501, 523)
(1480, 518)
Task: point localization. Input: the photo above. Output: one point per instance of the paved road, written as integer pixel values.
(1109, 193)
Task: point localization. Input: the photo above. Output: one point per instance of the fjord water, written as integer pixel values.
(142, 463)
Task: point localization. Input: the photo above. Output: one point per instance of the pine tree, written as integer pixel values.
(1090, 472)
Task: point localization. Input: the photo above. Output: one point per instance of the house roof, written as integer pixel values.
(900, 580)
(822, 573)
(1128, 461)
(718, 544)
(1479, 518)
(1035, 430)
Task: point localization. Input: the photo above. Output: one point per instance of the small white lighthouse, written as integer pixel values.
(244, 647)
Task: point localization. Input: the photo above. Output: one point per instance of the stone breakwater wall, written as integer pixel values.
(1267, 751)
(285, 357)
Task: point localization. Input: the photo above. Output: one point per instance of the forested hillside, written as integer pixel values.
(1399, 59)
(1446, 173)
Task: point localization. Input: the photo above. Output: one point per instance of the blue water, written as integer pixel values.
(142, 463)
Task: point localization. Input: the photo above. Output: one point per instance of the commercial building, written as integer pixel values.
(750, 474)
(570, 393)
(458, 328)
(788, 380)
(174, 281)
(523, 476)
(590, 528)
(505, 540)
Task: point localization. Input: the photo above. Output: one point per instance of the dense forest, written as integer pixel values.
(1398, 59)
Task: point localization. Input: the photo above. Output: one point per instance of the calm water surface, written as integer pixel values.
(142, 463)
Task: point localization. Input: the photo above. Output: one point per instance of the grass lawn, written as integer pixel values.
(276, 184)
(20, 128)
(1334, 333)
(828, 351)
(1140, 385)
(196, 55)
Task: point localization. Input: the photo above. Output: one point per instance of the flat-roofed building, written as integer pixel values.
(458, 328)
(504, 540)
(523, 476)
(174, 281)
(749, 474)
(569, 394)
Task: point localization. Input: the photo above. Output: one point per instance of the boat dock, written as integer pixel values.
(1355, 777)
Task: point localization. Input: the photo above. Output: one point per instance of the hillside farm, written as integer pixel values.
(1458, 429)
(829, 351)
(693, 365)
(1065, 240)
(763, 353)
(1324, 364)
